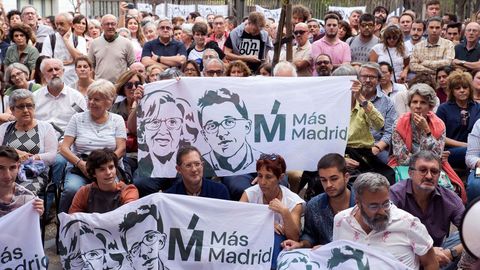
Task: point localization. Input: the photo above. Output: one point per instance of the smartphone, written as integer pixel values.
(477, 172)
(130, 5)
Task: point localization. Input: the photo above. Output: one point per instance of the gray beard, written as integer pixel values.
(55, 84)
(378, 223)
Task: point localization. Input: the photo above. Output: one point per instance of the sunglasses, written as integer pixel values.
(268, 157)
(319, 63)
(165, 28)
(131, 85)
(299, 32)
(391, 38)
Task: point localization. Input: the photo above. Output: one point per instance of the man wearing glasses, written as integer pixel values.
(361, 45)
(190, 166)
(302, 51)
(225, 126)
(110, 53)
(435, 206)
(467, 53)
(323, 65)
(164, 50)
(376, 222)
(213, 67)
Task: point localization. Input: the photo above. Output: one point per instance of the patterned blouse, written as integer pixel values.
(420, 141)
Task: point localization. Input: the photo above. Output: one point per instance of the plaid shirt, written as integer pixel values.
(428, 57)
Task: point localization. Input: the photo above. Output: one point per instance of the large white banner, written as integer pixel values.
(345, 255)
(20, 240)
(346, 11)
(205, 10)
(233, 120)
(167, 231)
(160, 10)
(269, 13)
(179, 10)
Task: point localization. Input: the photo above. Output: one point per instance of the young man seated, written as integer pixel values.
(12, 195)
(105, 193)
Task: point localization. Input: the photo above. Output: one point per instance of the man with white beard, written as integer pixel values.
(56, 102)
(376, 222)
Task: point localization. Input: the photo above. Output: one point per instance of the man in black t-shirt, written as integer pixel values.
(249, 42)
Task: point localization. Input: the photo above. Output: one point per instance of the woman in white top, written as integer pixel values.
(137, 37)
(94, 129)
(287, 205)
(392, 50)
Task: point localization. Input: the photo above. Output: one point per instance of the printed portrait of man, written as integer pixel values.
(88, 248)
(143, 238)
(225, 125)
(166, 124)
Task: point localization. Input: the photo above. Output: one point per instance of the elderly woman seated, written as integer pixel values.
(420, 129)
(13, 195)
(94, 129)
(105, 193)
(34, 140)
(17, 75)
(287, 205)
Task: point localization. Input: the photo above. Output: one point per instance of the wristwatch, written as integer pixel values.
(454, 253)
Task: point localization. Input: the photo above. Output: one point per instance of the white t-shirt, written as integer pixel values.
(289, 199)
(90, 136)
(404, 238)
(397, 58)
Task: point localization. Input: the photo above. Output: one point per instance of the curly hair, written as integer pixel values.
(241, 65)
(22, 28)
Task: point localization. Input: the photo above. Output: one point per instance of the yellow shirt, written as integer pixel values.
(359, 135)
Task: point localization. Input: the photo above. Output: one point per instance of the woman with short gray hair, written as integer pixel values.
(421, 129)
(17, 75)
(34, 140)
(87, 131)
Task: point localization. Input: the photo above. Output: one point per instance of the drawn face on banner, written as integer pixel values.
(142, 243)
(88, 248)
(225, 132)
(165, 125)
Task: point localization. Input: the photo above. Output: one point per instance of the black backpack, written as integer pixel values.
(53, 40)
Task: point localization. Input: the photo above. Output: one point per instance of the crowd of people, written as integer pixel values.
(71, 86)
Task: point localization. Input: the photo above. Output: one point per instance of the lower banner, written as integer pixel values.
(20, 240)
(344, 255)
(166, 231)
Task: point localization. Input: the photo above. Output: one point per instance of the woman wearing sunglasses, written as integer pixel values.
(392, 50)
(287, 205)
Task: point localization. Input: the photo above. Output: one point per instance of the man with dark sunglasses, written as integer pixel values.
(164, 50)
(302, 51)
(435, 206)
(361, 45)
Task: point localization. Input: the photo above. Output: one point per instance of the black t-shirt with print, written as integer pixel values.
(250, 45)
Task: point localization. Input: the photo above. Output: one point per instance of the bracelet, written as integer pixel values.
(78, 161)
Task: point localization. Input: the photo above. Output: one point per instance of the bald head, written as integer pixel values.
(472, 32)
(301, 26)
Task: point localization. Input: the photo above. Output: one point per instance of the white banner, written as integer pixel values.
(160, 10)
(205, 10)
(167, 231)
(269, 13)
(233, 120)
(179, 10)
(346, 11)
(144, 7)
(20, 240)
(341, 254)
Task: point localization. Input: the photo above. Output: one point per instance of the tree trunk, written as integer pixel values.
(416, 6)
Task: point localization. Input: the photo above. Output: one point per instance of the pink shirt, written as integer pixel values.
(339, 52)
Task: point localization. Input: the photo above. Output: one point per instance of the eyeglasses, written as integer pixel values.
(214, 72)
(173, 123)
(212, 126)
(365, 25)
(374, 207)
(16, 75)
(109, 24)
(268, 157)
(299, 32)
(392, 38)
(165, 28)
(424, 171)
(27, 106)
(77, 261)
(149, 239)
(193, 165)
(319, 63)
(370, 77)
(130, 85)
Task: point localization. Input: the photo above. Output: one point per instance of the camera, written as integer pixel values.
(130, 5)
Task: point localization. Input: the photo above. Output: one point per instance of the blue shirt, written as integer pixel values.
(385, 106)
(210, 189)
(461, 52)
(318, 228)
(449, 112)
(158, 48)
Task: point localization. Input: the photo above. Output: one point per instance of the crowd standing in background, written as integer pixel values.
(68, 80)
